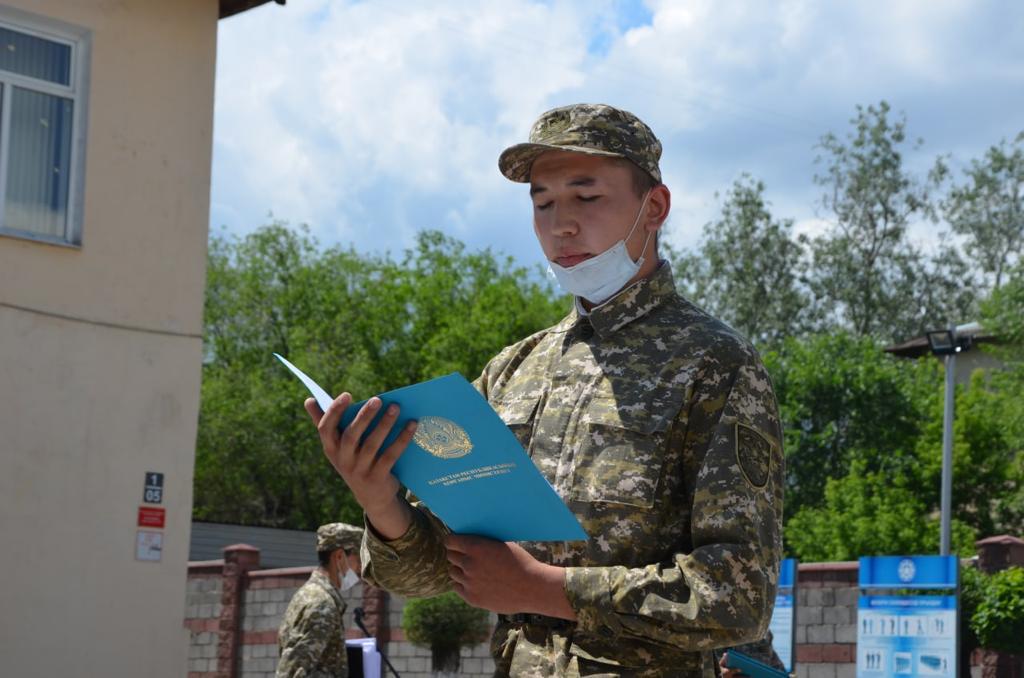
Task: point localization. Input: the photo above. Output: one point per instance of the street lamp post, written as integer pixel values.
(946, 343)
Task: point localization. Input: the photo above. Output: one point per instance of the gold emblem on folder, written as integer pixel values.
(442, 438)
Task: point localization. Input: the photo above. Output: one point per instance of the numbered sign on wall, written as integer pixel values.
(153, 489)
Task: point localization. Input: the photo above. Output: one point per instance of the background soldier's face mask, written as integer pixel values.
(599, 278)
(349, 580)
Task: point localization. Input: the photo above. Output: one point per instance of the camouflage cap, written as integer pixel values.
(334, 536)
(594, 129)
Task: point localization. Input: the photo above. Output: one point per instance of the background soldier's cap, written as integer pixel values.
(594, 129)
(334, 536)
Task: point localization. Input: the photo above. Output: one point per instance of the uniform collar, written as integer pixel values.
(320, 578)
(631, 303)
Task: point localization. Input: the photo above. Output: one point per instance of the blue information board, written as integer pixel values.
(907, 635)
(908, 572)
(783, 623)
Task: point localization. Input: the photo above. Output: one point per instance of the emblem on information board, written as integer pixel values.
(906, 570)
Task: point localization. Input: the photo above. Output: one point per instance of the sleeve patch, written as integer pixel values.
(754, 455)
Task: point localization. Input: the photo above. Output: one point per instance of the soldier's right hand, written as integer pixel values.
(367, 473)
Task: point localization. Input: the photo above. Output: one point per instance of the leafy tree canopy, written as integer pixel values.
(362, 323)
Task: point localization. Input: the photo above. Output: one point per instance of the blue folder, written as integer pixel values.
(466, 465)
(749, 666)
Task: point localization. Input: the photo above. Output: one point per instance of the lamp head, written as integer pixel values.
(942, 342)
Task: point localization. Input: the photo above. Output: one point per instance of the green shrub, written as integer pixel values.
(445, 624)
(998, 619)
(972, 591)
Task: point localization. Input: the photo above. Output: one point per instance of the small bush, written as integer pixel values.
(445, 624)
(972, 591)
(998, 620)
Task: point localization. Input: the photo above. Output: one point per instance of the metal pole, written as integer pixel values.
(359, 614)
(947, 454)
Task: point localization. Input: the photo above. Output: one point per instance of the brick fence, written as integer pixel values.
(233, 610)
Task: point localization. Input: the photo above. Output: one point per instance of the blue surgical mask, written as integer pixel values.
(598, 279)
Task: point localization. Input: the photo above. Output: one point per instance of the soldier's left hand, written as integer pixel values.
(502, 577)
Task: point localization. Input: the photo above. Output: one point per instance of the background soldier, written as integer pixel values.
(311, 639)
(655, 423)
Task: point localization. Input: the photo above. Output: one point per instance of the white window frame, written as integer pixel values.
(80, 41)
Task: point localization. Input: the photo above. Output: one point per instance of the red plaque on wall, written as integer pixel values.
(151, 517)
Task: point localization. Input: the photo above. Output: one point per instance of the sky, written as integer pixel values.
(372, 120)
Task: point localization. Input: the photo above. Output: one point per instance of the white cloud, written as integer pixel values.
(326, 112)
(811, 227)
(372, 120)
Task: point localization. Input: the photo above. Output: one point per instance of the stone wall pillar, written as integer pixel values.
(999, 553)
(238, 560)
(375, 609)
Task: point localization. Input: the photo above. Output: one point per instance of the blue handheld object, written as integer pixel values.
(735, 659)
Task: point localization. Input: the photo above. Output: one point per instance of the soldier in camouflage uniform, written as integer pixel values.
(656, 424)
(311, 639)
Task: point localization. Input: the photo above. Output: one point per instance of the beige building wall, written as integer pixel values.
(100, 351)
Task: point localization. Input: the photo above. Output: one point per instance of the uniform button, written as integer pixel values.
(586, 330)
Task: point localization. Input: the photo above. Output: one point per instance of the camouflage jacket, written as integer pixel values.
(658, 426)
(311, 639)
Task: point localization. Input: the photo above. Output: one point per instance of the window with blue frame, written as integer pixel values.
(40, 153)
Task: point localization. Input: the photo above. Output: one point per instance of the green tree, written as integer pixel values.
(255, 460)
(988, 451)
(988, 208)
(747, 267)
(864, 451)
(1002, 313)
(866, 275)
(863, 513)
(843, 400)
(363, 323)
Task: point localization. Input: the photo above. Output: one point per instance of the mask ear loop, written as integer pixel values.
(636, 222)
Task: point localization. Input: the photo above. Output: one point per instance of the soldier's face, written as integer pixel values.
(345, 561)
(584, 204)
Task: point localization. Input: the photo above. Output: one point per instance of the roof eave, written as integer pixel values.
(233, 7)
